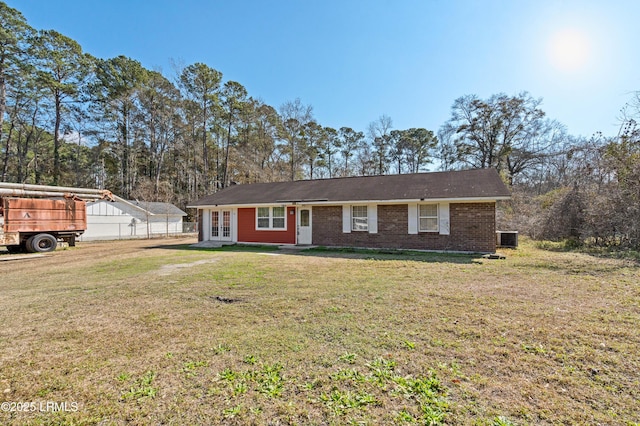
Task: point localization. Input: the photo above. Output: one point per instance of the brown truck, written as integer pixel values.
(34, 218)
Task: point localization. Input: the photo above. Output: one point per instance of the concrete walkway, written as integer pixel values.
(218, 244)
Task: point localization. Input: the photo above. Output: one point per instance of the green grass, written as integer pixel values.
(141, 333)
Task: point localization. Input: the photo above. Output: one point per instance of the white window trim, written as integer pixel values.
(444, 224)
(436, 217)
(271, 228)
(361, 217)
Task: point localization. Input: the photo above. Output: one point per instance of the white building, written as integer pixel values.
(120, 219)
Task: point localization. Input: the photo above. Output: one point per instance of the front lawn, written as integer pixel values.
(152, 332)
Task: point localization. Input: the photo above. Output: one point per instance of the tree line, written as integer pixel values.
(582, 190)
(68, 118)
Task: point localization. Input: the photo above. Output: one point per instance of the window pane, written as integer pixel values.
(226, 224)
(214, 224)
(428, 218)
(429, 210)
(359, 211)
(304, 217)
(263, 217)
(278, 222)
(428, 224)
(278, 212)
(359, 220)
(360, 224)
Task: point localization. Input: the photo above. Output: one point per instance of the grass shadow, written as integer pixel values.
(337, 252)
(224, 248)
(392, 254)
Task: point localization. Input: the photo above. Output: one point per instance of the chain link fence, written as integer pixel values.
(133, 230)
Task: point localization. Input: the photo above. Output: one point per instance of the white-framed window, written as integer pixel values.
(428, 217)
(359, 218)
(264, 218)
(271, 218)
(277, 217)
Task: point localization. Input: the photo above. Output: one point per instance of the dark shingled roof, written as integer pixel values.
(481, 183)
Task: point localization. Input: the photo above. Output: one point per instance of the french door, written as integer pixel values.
(221, 225)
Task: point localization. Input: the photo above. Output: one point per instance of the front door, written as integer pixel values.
(221, 225)
(304, 225)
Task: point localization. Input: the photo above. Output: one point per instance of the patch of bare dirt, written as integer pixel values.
(86, 253)
(175, 267)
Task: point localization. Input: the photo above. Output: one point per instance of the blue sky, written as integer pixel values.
(356, 60)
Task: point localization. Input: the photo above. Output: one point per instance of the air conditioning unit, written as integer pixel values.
(508, 239)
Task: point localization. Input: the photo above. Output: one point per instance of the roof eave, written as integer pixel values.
(340, 202)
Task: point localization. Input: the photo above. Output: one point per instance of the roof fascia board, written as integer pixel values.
(333, 203)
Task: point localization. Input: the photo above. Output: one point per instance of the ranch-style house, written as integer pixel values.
(450, 211)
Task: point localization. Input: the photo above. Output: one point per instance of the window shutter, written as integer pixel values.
(346, 219)
(443, 212)
(206, 224)
(413, 218)
(372, 216)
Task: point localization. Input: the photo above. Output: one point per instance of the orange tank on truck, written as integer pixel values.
(35, 218)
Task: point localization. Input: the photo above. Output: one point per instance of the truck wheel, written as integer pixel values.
(42, 243)
(26, 245)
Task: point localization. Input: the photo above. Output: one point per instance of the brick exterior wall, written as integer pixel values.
(472, 228)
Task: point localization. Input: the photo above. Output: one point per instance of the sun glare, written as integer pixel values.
(569, 50)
